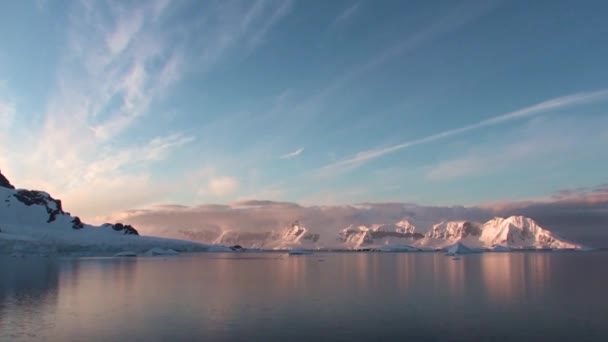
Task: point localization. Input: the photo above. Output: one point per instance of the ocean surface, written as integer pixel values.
(324, 296)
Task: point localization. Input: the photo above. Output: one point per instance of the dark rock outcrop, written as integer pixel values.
(127, 229)
(54, 208)
(4, 182)
(32, 197)
(314, 237)
(76, 223)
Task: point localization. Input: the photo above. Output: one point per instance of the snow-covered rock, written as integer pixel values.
(454, 230)
(295, 235)
(377, 235)
(499, 234)
(520, 232)
(35, 223)
(4, 182)
(355, 237)
(244, 238)
(405, 227)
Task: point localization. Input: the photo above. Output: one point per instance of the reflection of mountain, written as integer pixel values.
(509, 277)
(28, 288)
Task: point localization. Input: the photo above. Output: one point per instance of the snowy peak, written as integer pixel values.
(32, 197)
(405, 227)
(294, 235)
(355, 236)
(515, 232)
(294, 232)
(34, 208)
(402, 232)
(297, 233)
(521, 232)
(4, 182)
(237, 237)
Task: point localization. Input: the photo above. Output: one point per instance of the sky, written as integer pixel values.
(121, 105)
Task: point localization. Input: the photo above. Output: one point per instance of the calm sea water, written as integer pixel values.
(329, 296)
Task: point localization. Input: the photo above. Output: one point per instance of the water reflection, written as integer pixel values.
(264, 296)
(514, 277)
(28, 296)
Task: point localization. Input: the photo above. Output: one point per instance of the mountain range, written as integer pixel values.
(32, 220)
(511, 233)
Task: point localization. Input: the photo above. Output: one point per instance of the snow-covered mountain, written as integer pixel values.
(244, 238)
(400, 233)
(454, 230)
(499, 234)
(294, 235)
(520, 232)
(34, 222)
(297, 236)
(515, 232)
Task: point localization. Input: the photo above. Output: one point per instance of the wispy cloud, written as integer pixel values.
(347, 14)
(220, 186)
(283, 8)
(537, 109)
(457, 17)
(120, 62)
(541, 142)
(292, 154)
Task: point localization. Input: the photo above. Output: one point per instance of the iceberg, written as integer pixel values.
(299, 252)
(160, 251)
(458, 249)
(125, 254)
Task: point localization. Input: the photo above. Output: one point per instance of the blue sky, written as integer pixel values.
(127, 104)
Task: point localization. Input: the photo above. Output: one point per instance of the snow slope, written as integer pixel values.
(296, 236)
(515, 232)
(520, 232)
(33, 222)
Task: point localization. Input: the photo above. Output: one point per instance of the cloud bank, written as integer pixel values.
(580, 215)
